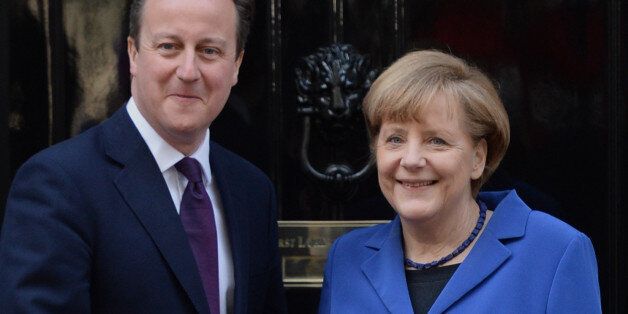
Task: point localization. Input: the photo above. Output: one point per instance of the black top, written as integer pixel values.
(424, 286)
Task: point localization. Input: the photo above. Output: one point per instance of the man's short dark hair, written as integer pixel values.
(244, 9)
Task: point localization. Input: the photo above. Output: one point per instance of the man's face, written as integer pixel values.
(184, 66)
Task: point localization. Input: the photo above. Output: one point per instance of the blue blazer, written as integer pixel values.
(90, 226)
(524, 262)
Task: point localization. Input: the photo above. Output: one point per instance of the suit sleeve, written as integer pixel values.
(575, 288)
(275, 297)
(44, 251)
(324, 305)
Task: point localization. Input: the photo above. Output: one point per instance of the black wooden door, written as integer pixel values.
(560, 67)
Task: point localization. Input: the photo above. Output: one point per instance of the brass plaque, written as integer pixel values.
(304, 246)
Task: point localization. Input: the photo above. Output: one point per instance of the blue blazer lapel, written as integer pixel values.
(485, 258)
(488, 254)
(237, 223)
(385, 270)
(143, 188)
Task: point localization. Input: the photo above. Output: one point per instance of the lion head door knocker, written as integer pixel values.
(331, 84)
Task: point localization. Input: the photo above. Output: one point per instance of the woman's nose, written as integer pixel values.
(413, 157)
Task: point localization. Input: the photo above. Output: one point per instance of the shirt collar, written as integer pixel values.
(165, 155)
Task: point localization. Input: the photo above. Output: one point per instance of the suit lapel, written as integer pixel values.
(385, 270)
(237, 223)
(143, 188)
(488, 254)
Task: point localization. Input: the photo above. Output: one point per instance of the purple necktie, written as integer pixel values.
(197, 216)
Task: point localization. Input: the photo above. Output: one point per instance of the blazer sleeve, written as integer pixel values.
(44, 248)
(324, 305)
(275, 300)
(575, 288)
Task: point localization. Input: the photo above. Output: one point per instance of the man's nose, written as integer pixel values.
(413, 157)
(188, 70)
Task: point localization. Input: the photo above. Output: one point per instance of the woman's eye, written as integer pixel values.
(394, 139)
(437, 141)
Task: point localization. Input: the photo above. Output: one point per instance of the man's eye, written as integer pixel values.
(209, 51)
(166, 46)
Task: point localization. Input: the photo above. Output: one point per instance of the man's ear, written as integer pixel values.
(238, 62)
(479, 159)
(131, 49)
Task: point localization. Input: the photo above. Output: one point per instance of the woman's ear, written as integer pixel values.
(479, 159)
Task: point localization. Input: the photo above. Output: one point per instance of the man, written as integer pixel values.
(143, 214)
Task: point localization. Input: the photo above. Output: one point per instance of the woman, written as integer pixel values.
(438, 131)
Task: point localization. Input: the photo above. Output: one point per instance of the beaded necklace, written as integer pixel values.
(458, 250)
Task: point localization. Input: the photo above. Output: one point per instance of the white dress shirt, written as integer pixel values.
(166, 157)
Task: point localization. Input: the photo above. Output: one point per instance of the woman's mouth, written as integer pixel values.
(417, 184)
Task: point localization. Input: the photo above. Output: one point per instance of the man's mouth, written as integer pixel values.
(185, 96)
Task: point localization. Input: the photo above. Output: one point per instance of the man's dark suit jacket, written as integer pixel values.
(90, 226)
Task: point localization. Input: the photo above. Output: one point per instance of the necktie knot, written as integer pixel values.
(191, 169)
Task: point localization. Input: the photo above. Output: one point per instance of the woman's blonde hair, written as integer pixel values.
(400, 93)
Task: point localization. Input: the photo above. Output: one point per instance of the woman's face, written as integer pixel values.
(425, 167)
